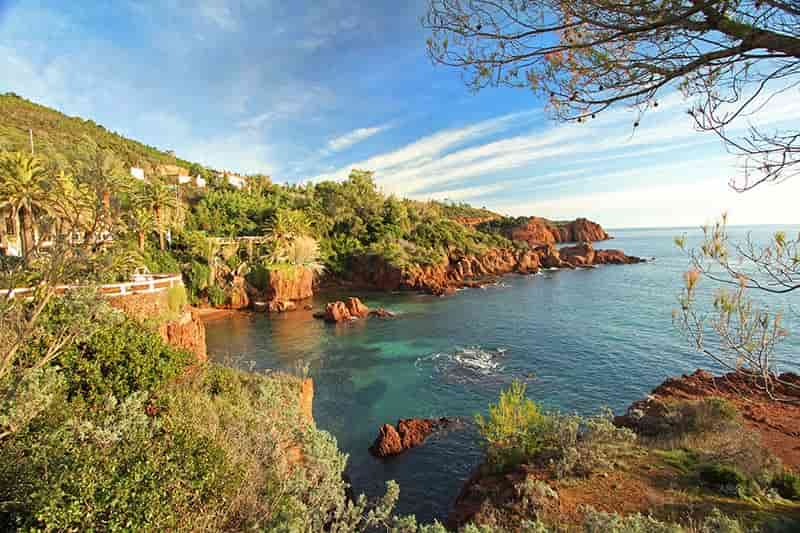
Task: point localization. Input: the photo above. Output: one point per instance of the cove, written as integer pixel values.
(582, 339)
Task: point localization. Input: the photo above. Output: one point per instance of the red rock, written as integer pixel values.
(356, 308)
(388, 442)
(538, 231)
(336, 312)
(582, 254)
(615, 257)
(409, 433)
(285, 287)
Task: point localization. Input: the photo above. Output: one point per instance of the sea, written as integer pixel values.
(581, 340)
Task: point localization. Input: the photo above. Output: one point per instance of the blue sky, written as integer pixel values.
(307, 90)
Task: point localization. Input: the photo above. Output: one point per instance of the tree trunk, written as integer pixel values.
(141, 241)
(28, 241)
(161, 242)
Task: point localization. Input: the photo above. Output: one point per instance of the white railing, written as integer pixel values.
(141, 284)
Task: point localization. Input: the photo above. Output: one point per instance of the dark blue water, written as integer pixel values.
(581, 339)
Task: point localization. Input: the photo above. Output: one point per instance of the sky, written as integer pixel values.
(306, 91)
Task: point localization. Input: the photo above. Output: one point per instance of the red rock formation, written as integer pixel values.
(538, 231)
(409, 433)
(356, 308)
(340, 311)
(775, 421)
(285, 287)
(187, 333)
(615, 257)
(579, 255)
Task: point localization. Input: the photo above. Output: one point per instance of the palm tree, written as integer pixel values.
(158, 198)
(142, 221)
(23, 190)
(103, 170)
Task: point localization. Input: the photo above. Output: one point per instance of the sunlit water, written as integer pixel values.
(581, 339)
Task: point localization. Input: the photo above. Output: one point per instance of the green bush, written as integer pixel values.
(176, 299)
(514, 429)
(197, 278)
(121, 358)
(787, 484)
(161, 261)
(719, 475)
(217, 296)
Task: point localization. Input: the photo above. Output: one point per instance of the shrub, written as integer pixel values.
(787, 484)
(161, 261)
(600, 522)
(513, 429)
(722, 476)
(197, 277)
(585, 445)
(217, 296)
(176, 299)
(121, 358)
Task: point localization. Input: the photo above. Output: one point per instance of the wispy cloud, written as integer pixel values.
(356, 136)
(219, 13)
(427, 148)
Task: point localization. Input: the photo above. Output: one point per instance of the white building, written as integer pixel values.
(236, 181)
(200, 182)
(137, 173)
(184, 179)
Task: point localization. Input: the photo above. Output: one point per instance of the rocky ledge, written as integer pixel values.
(775, 421)
(409, 433)
(475, 270)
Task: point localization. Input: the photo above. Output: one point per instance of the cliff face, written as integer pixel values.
(540, 231)
(286, 287)
(187, 333)
(473, 270)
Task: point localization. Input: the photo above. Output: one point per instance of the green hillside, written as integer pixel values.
(55, 135)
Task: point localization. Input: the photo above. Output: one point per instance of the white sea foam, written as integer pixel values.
(465, 363)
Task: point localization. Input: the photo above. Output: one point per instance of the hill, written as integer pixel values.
(55, 135)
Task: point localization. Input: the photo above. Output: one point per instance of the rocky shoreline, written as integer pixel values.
(474, 270)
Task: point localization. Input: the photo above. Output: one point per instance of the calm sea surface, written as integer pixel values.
(581, 339)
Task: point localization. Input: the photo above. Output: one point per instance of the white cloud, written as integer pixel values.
(219, 13)
(427, 148)
(356, 136)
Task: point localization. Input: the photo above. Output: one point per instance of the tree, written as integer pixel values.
(102, 170)
(142, 222)
(587, 55)
(23, 190)
(740, 333)
(157, 197)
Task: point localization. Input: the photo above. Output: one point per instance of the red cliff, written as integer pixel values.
(538, 231)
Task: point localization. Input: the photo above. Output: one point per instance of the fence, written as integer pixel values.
(141, 284)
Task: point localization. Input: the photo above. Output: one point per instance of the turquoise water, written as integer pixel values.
(581, 339)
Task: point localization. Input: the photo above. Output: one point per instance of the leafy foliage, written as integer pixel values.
(120, 359)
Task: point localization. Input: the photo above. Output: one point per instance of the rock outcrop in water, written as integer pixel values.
(409, 433)
(340, 311)
(475, 270)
